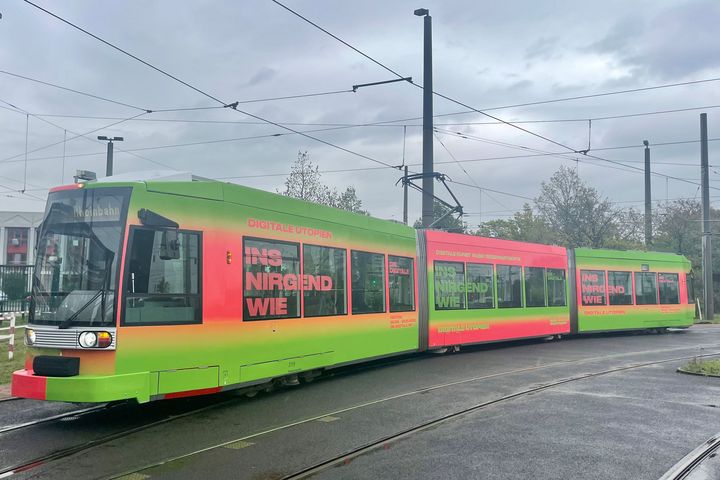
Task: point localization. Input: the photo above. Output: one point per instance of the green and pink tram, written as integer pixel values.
(164, 288)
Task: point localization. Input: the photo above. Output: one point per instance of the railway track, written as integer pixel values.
(82, 447)
(383, 441)
(687, 468)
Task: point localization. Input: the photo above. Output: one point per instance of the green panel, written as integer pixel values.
(283, 367)
(207, 190)
(106, 388)
(187, 379)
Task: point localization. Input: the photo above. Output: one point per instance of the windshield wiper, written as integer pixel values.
(106, 282)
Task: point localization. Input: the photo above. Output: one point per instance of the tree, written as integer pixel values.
(449, 223)
(575, 211)
(305, 182)
(524, 226)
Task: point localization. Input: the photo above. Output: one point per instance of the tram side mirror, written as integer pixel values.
(169, 245)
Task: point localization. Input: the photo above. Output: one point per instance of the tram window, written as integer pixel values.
(669, 288)
(556, 291)
(689, 279)
(449, 285)
(534, 286)
(509, 286)
(480, 286)
(402, 284)
(324, 278)
(645, 288)
(368, 282)
(592, 283)
(620, 288)
(272, 279)
(162, 291)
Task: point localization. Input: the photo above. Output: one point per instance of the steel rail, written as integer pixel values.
(692, 460)
(436, 387)
(380, 443)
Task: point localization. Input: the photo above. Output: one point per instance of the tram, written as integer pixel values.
(160, 288)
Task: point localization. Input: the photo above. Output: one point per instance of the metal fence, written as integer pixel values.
(15, 286)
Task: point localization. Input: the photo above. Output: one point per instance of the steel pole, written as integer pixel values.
(706, 231)
(405, 197)
(428, 180)
(648, 198)
(109, 165)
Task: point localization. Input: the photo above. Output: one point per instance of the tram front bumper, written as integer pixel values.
(82, 388)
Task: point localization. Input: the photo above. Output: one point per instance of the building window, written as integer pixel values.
(449, 285)
(16, 248)
(509, 286)
(368, 282)
(620, 288)
(272, 279)
(534, 286)
(161, 290)
(324, 290)
(480, 286)
(402, 284)
(556, 290)
(646, 288)
(592, 283)
(669, 288)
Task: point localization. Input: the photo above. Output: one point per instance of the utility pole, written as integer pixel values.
(706, 233)
(428, 178)
(109, 164)
(405, 197)
(648, 197)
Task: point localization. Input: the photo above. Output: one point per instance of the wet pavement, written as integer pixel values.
(634, 423)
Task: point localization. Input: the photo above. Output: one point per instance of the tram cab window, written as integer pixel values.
(368, 282)
(669, 288)
(556, 290)
(324, 281)
(449, 285)
(402, 284)
(534, 286)
(620, 288)
(646, 288)
(271, 279)
(162, 289)
(509, 286)
(480, 286)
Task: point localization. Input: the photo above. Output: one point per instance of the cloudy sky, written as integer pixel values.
(486, 54)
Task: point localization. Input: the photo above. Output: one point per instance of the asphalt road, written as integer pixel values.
(634, 423)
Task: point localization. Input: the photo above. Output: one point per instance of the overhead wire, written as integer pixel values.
(482, 112)
(233, 106)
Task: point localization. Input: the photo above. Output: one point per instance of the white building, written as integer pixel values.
(18, 233)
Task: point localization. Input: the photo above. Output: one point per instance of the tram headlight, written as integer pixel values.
(95, 339)
(29, 336)
(88, 340)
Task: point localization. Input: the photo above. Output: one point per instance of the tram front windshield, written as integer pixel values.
(78, 255)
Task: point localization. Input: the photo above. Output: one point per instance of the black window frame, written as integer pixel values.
(657, 293)
(497, 283)
(412, 278)
(604, 294)
(385, 283)
(122, 302)
(564, 283)
(348, 288)
(299, 290)
(677, 288)
(464, 292)
(543, 283)
(493, 298)
(632, 290)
